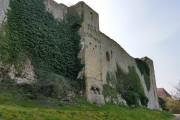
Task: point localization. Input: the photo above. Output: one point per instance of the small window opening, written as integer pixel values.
(91, 15)
(95, 90)
(107, 56)
(111, 54)
(81, 4)
(98, 91)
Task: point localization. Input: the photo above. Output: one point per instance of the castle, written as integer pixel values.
(99, 53)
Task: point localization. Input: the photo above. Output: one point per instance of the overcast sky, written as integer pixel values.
(144, 28)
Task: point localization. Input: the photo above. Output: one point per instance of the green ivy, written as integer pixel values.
(145, 71)
(108, 91)
(33, 33)
(128, 85)
(52, 46)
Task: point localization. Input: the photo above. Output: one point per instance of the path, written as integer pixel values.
(177, 116)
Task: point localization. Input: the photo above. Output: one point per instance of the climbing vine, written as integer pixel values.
(145, 71)
(33, 33)
(128, 85)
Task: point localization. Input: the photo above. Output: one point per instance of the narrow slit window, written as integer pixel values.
(107, 56)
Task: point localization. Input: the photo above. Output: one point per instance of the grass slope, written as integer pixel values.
(15, 107)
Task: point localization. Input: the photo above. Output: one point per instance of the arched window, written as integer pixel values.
(111, 54)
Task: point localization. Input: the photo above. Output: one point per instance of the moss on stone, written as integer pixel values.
(109, 91)
(51, 45)
(145, 71)
(128, 85)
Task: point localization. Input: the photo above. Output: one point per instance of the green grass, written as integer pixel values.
(15, 107)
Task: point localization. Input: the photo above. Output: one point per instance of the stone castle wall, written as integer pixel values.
(99, 53)
(102, 55)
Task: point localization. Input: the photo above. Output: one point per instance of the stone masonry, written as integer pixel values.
(99, 53)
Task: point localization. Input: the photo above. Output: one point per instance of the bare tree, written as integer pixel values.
(177, 91)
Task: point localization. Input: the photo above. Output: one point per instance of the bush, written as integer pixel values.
(173, 105)
(50, 85)
(162, 103)
(53, 85)
(7, 83)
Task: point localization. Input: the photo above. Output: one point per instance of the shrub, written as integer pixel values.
(162, 103)
(173, 105)
(50, 85)
(53, 85)
(7, 83)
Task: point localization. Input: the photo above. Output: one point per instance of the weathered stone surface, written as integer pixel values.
(57, 10)
(99, 53)
(102, 54)
(25, 75)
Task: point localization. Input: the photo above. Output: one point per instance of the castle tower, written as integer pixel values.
(91, 57)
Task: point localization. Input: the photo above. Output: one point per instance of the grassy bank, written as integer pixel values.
(15, 107)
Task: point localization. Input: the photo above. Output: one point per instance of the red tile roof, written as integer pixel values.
(161, 92)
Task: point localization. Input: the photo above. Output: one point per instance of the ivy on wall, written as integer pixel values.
(109, 92)
(145, 71)
(33, 33)
(128, 85)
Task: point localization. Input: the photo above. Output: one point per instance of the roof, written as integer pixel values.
(161, 92)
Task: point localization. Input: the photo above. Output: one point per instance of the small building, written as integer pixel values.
(162, 93)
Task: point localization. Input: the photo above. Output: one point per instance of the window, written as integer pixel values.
(95, 90)
(98, 91)
(107, 56)
(91, 15)
(81, 4)
(111, 54)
